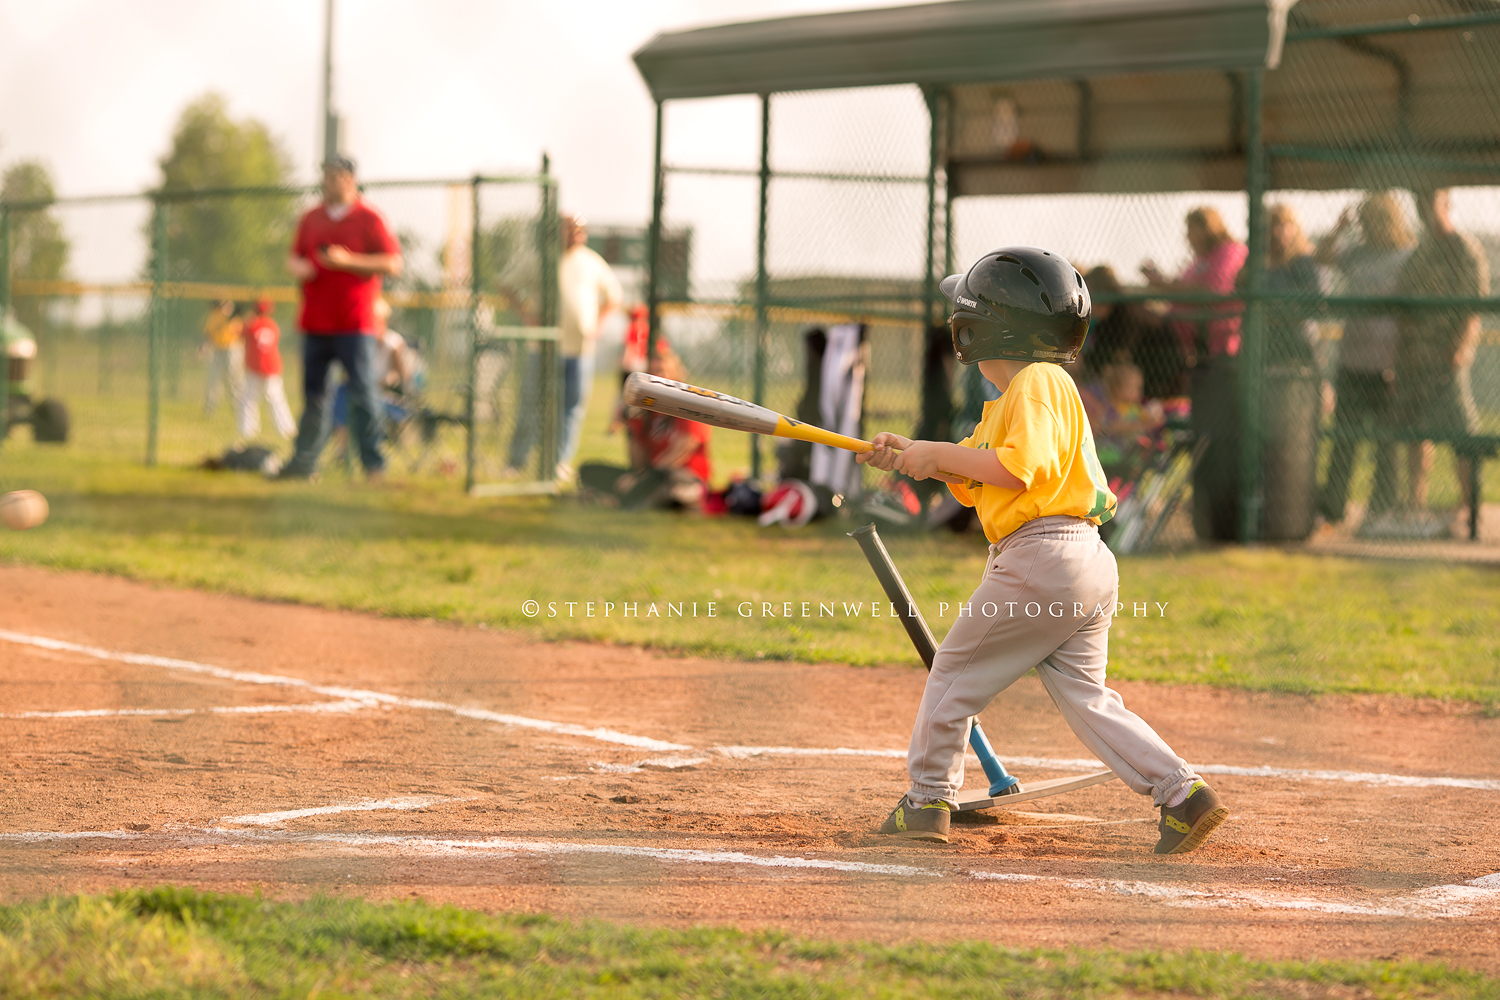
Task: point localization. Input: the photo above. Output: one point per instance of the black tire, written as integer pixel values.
(49, 421)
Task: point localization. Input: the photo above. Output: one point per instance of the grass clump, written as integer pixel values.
(171, 942)
(97, 946)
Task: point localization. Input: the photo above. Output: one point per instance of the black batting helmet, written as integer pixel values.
(1018, 303)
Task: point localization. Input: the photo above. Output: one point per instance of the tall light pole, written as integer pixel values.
(330, 119)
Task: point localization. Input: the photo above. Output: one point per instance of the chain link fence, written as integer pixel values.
(841, 242)
(1296, 339)
(115, 354)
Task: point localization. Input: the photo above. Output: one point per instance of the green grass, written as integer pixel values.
(1254, 618)
(169, 942)
(1260, 619)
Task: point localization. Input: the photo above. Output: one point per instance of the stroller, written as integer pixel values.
(1149, 476)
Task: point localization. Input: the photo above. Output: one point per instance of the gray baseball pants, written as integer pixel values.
(1046, 601)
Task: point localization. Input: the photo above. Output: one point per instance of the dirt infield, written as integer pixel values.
(153, 735)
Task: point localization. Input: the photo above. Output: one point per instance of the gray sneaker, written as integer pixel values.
(929, 822)
(1184, 827)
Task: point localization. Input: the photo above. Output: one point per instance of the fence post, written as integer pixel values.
(929, 282)
(470, 447)
(762, 280)
(653, 246)
(1253, 320)
(157, 328)
(548, 248)
(4, 322)
(948, 264)
(106, 350)
(552, 362)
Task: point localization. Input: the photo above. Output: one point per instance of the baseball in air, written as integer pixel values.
(23, 509)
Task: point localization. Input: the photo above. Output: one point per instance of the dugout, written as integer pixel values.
(1121, 102)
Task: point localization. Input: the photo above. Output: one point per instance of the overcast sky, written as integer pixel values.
(445, 88)
(436, 88)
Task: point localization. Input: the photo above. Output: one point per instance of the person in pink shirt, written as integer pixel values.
(1209, 333)
(1217, 259)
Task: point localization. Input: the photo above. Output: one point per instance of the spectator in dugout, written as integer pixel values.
(1217, 260)
(1133, 328)
(669, 465)
(341, 252)
(1119, 412)
(1290, 268)
(1365, 376)
(1436, 347)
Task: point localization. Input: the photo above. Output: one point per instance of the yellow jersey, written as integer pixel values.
(222, 331)
(1039, 431)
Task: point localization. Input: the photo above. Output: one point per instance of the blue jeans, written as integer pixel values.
(578, 385)
(355, 353)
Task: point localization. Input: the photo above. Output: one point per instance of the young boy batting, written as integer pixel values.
(1030, 472)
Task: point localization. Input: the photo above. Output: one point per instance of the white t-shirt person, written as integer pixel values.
(589, 288)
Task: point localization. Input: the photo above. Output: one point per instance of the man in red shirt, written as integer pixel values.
(342, 250)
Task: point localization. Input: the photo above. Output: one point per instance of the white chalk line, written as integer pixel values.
(1353, 777)
(342, 693)
(1462, 900)
(42, 836)
(542, 848)
(1084, 765)
(435, 847)
(744, 753)
(373, 698)
(649, 764)
(670, 763)
(400, 803)
(1465, 900)
(317, 707)
(1475, 897)
(1470, 898)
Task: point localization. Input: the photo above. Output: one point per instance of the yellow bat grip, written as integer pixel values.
(817, 435)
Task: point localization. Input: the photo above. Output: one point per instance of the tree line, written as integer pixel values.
(240, 240)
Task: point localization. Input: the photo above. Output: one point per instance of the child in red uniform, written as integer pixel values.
(632, 359)
(263, 375)
(669, 464)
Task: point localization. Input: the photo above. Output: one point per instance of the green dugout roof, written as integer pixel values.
(964, 41)
(1052, 96)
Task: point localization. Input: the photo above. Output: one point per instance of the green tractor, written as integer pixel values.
(48, 417)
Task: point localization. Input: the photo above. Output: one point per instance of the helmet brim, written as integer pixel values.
(949, 286)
